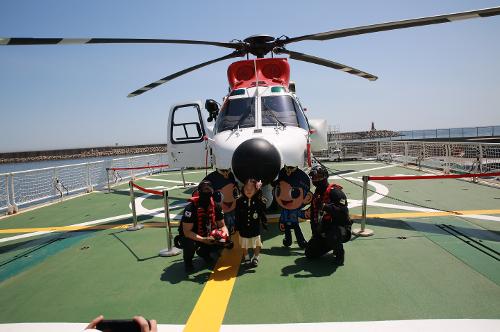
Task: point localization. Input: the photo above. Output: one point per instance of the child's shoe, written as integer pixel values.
(255, 261)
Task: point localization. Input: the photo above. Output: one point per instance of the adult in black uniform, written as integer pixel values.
(201, 216)
(329, 215)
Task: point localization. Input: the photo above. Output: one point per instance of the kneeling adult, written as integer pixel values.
(329, 215)
(201, 216)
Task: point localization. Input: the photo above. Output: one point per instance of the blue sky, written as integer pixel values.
(54, 97)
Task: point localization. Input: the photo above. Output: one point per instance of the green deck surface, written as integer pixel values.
(410, 268)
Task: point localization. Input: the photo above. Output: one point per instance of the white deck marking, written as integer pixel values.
(88, 223)
(428, 325)
(336, 177)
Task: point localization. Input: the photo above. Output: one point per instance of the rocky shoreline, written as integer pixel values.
(27, 156)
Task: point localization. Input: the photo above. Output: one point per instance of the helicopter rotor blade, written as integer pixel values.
(168, 78)
(410, 23)
(324, 62)
(81, 41)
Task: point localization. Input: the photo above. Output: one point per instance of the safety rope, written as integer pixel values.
(387, 196)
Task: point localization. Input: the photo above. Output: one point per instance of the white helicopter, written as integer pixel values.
(261, 126)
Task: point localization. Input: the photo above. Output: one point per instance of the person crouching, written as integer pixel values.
(200, 217)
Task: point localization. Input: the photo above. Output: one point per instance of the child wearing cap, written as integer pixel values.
(250, 214)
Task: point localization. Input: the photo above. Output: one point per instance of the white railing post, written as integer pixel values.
(481, 161)
(406, 154)
(447, 159)
(131, 170)
(89, 179)
(13, 194)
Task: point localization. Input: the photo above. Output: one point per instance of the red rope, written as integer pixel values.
(424, 177)
(149, 191)
(130, 168)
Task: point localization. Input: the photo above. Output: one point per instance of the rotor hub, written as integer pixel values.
(260, 45)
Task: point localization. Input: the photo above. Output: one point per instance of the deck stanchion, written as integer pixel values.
(135, 226)
(363, 231)
(170, 250)
(183, 179)
(107, 176)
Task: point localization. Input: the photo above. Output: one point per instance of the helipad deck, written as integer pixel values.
(420, 264)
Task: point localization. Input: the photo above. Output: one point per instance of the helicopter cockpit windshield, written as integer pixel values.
(282, 110)
(235, 113)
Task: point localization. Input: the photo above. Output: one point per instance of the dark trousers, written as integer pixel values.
(320, 244)
(189, 247)
(287, 241)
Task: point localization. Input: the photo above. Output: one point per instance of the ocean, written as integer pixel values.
(16, 167)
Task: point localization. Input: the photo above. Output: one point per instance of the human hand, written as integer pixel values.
(94, 322)
(282, 227)
(143, 323)
(208, 240)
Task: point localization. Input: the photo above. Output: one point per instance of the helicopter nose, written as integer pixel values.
(256, 158)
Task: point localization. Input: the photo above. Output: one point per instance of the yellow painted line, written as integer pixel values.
(210, 309)
(396, 215)
(77, 228)
(430, 214)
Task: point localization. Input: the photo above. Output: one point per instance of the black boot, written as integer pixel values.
(188, 266)
(339, 258)
(287, 241)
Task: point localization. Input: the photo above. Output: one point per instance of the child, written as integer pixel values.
(250, 213)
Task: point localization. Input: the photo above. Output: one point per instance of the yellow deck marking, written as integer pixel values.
(210, 309)
(428, 214)
(396, 215)
(78, 228)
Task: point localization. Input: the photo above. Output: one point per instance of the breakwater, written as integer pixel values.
(106, 151)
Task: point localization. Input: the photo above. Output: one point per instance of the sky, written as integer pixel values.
(55, 97)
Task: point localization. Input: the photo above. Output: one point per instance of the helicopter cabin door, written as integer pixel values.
(186, 132)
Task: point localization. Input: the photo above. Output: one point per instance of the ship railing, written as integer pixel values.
(448, 157)
(32, 187)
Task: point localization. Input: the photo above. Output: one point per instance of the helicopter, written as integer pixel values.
(261, 125)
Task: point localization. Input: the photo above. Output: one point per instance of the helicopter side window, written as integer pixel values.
(238, 112)
(186, 125)
(301, 117)
(278, 109)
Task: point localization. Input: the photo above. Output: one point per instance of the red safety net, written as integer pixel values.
(428, 177)
(149, 191)
(132, 168)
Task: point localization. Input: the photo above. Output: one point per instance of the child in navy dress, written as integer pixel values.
(250, 214)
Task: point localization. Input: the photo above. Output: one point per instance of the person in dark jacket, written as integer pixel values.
(329, 215)
(200, 217)
(250, 214)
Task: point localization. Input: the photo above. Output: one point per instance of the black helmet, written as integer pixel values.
(318, 173)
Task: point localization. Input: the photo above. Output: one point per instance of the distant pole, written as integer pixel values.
(136, 226)
(183, 179)
(363, 231)
(170, 250)
(107, 176)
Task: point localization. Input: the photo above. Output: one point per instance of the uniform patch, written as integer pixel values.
(342, 201)
(187, 214)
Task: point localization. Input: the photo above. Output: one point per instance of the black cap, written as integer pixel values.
(295, 177)
(218, 180)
